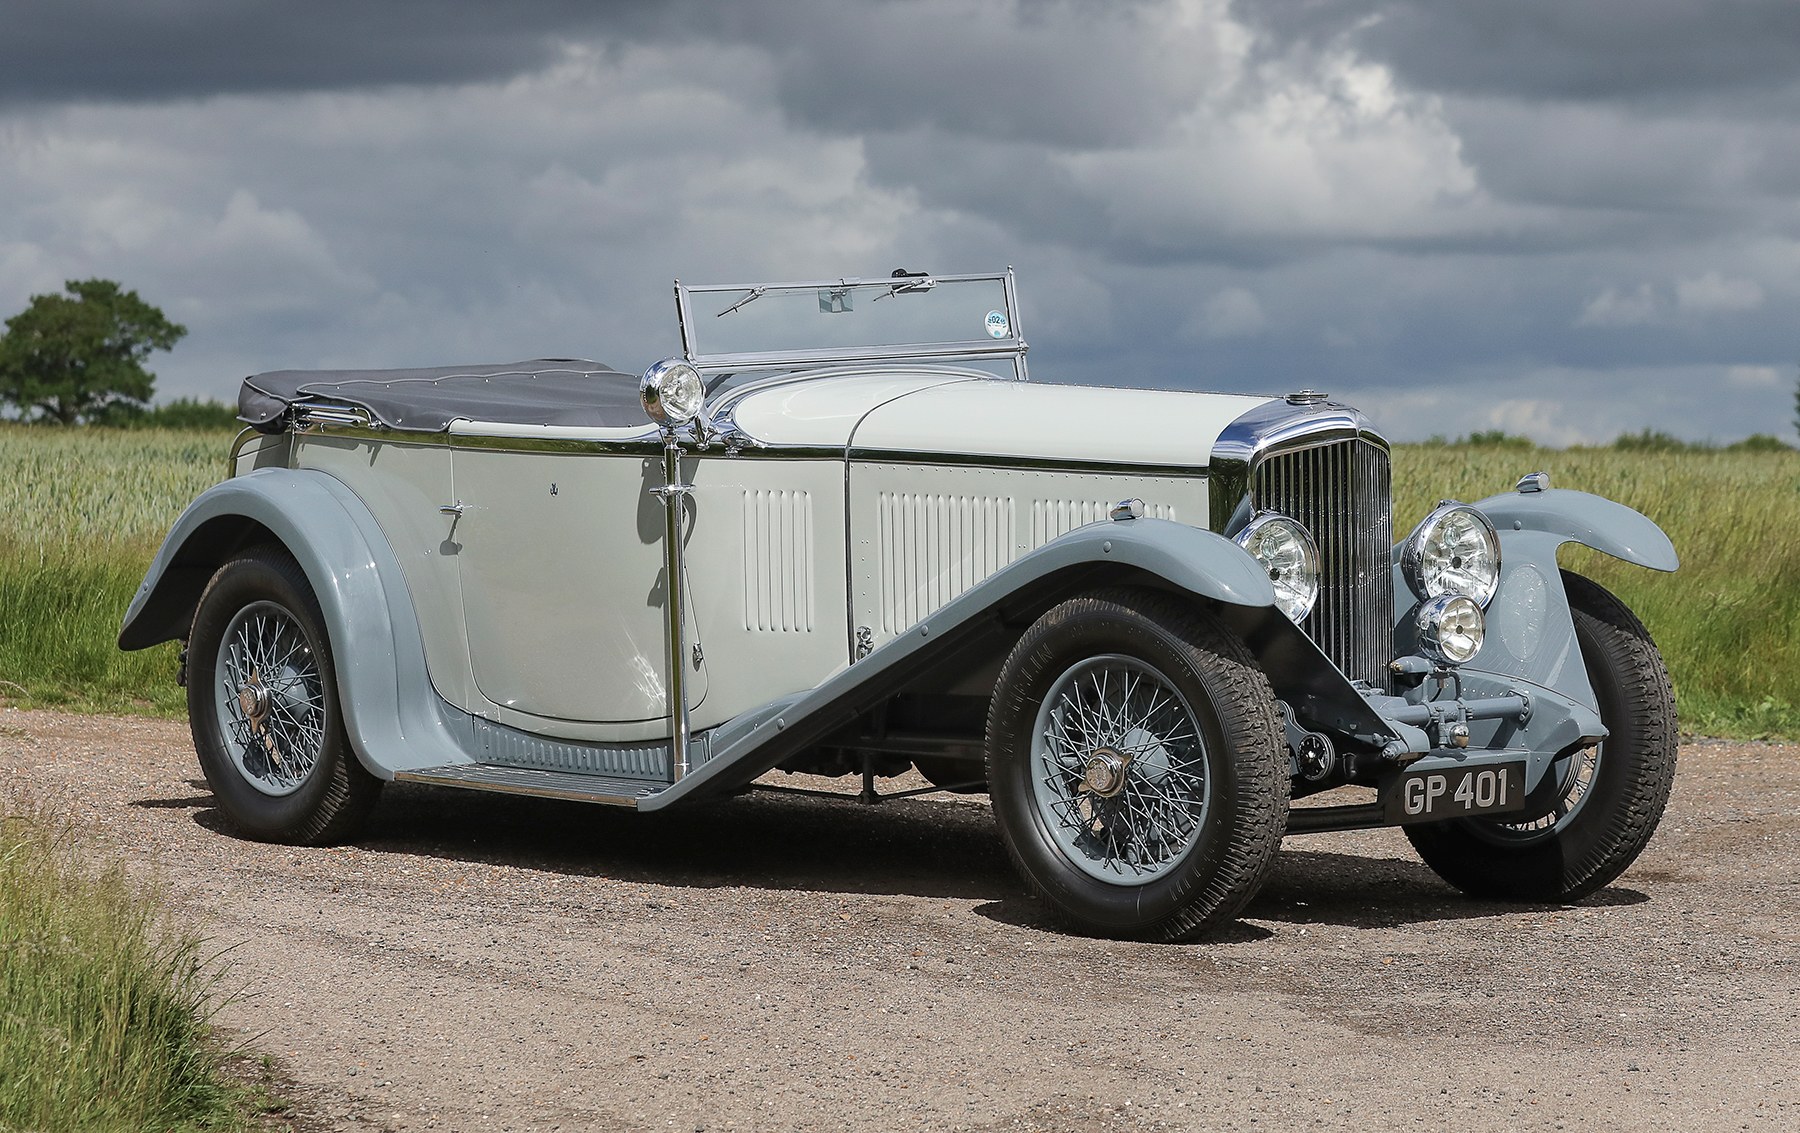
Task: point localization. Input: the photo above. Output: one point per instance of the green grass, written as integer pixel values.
(59, 646)
(103, 1006)
(82, 511)
(73, 491)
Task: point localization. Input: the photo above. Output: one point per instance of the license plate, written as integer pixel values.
(1428, 796)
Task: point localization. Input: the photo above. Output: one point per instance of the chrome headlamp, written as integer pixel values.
(1451, 628)
(1455, 550)
(672, 393)
(1288, 554)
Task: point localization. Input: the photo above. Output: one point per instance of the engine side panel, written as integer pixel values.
(921, 535)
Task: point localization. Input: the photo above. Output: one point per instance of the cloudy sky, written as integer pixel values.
(1563, 219)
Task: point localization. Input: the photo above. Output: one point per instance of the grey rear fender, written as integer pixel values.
(1579, 517)
(390, 709)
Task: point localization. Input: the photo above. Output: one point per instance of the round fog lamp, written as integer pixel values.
(672, 392)
(1287, 553)
(1451, 628)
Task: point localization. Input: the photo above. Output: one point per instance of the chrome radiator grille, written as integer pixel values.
(1340, 491)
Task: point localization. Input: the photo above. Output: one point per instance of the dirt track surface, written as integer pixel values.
(489, 962)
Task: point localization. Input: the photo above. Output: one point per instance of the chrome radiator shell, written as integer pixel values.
(1323, 465)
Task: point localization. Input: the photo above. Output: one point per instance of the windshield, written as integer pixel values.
(899, 316)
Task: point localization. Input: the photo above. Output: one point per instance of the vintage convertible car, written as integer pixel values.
(845, 535)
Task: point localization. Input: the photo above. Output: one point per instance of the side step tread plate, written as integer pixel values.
(605, 789)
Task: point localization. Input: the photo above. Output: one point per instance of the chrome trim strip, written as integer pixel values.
(328, 415)
(650, 446)
(674, 493)
(845, 281)
(684, 321)
(647, 447)
(1024, 463)
(360, 434)
(640, 446)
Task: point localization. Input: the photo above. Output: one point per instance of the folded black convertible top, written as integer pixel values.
(544, 391)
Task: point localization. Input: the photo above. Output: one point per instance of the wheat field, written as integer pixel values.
(82, 512)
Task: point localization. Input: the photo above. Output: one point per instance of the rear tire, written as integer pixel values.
(263, 707)
(1134, 766)
(1599, 805)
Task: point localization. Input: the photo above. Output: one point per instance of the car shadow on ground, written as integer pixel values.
(916, 847)
(1321, 887)
(920, 847)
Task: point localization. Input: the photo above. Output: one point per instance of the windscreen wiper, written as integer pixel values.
(755, 294)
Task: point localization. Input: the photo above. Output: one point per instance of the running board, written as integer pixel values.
(606, 789)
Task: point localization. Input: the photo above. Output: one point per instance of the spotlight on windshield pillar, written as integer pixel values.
(672, 393)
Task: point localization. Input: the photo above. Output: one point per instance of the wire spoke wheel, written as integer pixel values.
(1134, 765)
(270, 699)
(263, 705)
(1120, 769)
(1572, 781)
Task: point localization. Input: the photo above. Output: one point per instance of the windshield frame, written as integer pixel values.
(1010, 346)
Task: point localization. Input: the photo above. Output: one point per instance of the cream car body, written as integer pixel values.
(876, 544)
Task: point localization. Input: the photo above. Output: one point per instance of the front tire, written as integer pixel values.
(1133, 763)
(263, 707)
(1599, 805)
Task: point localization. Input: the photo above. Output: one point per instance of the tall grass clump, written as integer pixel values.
(82, 512)
(103, 1006)
(1726, 622)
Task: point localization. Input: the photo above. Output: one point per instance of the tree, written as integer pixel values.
(68, 358)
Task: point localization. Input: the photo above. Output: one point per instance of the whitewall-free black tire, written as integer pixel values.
(1135, 765)
(263, 706)
(1597, 807)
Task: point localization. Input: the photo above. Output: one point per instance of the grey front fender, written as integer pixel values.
(1140, 551)
(1190, 558)
(1579, 517)
(390, 709)
(1530, 645)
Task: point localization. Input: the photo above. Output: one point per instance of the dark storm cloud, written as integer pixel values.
(154, 49)
(1002, 70)
(1060, 74)
(1560, 218)
(1581, 50)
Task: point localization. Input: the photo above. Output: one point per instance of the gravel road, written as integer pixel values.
(485, 962)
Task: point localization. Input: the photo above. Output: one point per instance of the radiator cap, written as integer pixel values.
(1305, 397)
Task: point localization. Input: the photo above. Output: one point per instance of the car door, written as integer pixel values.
(561, 566)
